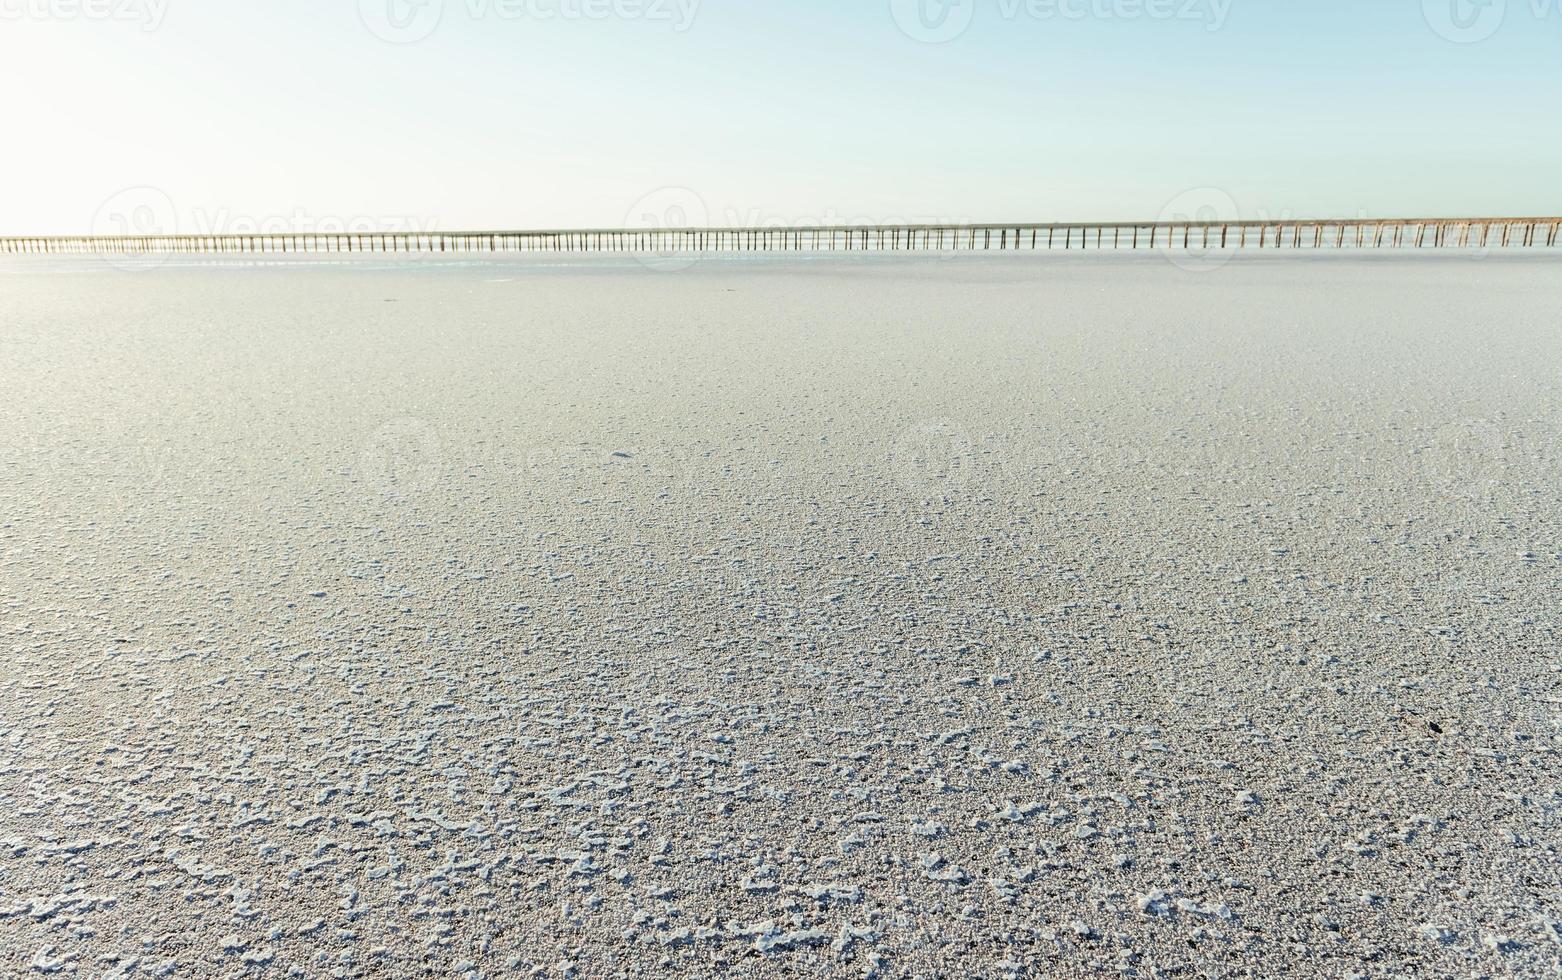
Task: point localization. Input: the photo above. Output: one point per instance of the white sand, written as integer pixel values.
(1048, 615)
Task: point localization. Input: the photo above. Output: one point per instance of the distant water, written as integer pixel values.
(532, 262)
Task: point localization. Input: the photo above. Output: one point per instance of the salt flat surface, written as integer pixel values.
(919, 616)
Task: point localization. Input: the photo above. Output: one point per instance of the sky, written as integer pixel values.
(208, 116)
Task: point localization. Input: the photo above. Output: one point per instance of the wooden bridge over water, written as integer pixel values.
(1360, 233)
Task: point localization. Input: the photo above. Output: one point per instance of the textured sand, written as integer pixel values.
(974, 616)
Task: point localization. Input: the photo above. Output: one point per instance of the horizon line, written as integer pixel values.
(808, 228)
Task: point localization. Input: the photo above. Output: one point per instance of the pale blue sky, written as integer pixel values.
(222, 114)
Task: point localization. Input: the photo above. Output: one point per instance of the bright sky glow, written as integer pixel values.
(234, 115)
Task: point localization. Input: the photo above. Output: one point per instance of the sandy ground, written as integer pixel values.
(974, 616)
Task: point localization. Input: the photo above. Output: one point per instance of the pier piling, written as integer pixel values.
(1436, 233)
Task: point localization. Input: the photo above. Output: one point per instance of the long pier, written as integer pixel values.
(1415, 233)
